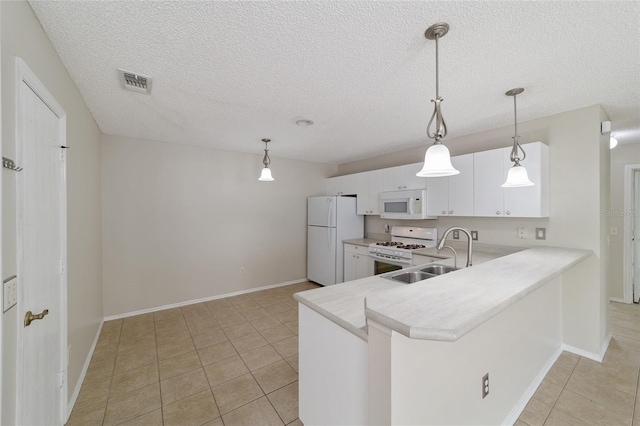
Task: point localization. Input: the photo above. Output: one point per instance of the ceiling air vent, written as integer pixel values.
(135, 82)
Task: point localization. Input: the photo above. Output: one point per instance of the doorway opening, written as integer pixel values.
(631, 256)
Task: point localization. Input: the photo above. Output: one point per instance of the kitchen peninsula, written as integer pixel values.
(390, 353)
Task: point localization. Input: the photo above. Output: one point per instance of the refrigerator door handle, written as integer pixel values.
(329, 239)
(330, 201)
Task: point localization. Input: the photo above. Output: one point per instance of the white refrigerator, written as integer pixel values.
(330, 220)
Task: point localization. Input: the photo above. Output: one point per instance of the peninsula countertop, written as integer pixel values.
(445, 307)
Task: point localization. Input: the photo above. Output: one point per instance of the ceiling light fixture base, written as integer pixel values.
(514, 92)
(437, 30)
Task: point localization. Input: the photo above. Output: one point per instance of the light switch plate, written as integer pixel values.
(541, 233)
(10, 294)
(474, 235)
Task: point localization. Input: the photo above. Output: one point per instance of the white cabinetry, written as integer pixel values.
(453, 195)
(490, 172)
(357, 263)
(403, 177)
(369, 189)
(343, 185)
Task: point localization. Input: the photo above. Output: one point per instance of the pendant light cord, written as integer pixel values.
(441, 127)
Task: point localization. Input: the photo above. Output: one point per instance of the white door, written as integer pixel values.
(636, 239)
(41, 212)
(321, 255)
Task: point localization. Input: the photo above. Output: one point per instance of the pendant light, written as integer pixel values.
(437, 160)
(517, 175)
(265, 176)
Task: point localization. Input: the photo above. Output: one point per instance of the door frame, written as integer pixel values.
(629, 207)
(24, 74)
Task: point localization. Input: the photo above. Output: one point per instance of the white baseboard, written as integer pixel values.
(591, 355)
(83, 373)
(204, 299)
(526, 396)
(617, 299)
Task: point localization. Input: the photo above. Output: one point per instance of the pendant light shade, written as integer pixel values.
(265, 175)
(437, 160)
(517, 175)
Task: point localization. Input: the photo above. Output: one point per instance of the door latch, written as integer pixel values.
(29, 317)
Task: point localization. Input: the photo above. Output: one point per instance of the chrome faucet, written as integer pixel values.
(441, 245)
(455, 255)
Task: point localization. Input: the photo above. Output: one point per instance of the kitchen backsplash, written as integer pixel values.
(496, 231)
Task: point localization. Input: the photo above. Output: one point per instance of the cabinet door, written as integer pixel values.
(362, 204)
(411, 181)
(488, 173)
(375, 188)
(527, 201)
(362, 265)
(350, 266)
(393, 179)
(437, 196)
(342, 185)
(461, 187)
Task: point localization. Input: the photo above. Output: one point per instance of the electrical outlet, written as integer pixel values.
(474, 235)
(485, 386)
(386, 228)
(541, 233)
(456, 235)
(522, 233)
(10, 294)
(242, 270)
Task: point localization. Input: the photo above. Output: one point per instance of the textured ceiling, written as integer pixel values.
(227, 74)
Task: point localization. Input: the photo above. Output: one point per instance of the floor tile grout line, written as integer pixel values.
(562, 390)
(635, 401)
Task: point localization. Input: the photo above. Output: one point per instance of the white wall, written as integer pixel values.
(180, 221)
(621, 156)
(23, 36)
(440, 383)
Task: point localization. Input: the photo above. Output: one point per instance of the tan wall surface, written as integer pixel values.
(23, 36)
(180, 222)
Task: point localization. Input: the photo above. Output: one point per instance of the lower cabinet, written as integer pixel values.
(357, 263)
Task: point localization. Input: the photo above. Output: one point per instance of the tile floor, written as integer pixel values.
(228, 362)
(579, 391)
(234, 361)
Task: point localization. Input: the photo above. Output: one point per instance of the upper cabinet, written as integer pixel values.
(490, 172)
(476, 191)
(343, 185)
(370, 187)
(453, 195)
(403, 177)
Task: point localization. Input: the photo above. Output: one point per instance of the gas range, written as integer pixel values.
(404, 240)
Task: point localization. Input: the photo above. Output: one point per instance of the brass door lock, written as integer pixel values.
(29, 317)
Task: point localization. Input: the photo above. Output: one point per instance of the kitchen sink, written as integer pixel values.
(410, 277)
(437, 269)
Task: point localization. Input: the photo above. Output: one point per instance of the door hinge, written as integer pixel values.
(63, 266)
(63, 378)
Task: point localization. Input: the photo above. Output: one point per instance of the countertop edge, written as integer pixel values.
(451, 335)
(358, 332)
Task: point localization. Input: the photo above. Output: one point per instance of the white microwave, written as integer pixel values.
(410, 204)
